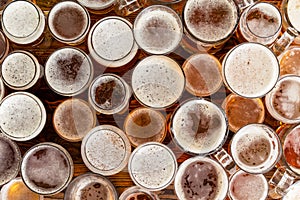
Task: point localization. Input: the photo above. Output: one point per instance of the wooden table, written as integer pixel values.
(51, 100)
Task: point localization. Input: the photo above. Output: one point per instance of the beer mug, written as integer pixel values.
(289, 61)
(152, 166)
(289, 168)
(23, 22)
(208, 24)
(260, 22)
(91, 186)
(158, 30)
(283, 102)
(72, 15)
(250, 70)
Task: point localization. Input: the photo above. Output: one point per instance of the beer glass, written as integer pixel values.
(109, 94)
(20, 70)
(10, 161)
(111, 42)
(256, 148)
(288, 168)
(283, 102)
(47, 168)
(202, 74)
(145, 125)
(260, 22)
(69, 22)
(158, 29)
(17, 190)
(68, 71)
(4, 46)
(157, 82)
(98, 6)
(250, 70)
(152, 166)
(91, 186)
(245, 186)
(208, 24)
(22, 116)
(136, 193)
(242, 111)
(73, 119)
(290, 61)
(23, 22)
(201, 178)
(105, 150)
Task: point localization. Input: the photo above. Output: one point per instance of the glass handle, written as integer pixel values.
(126, 7)
(281, 180)
(284, 41)
(225, 160)
(242, 4)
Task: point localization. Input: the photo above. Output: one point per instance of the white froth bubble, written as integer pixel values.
(158, 81)
(152, 166)
(293, 12)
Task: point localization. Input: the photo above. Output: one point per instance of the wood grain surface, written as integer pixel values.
(51, 100)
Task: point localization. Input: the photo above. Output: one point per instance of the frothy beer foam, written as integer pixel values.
(201, 178)
(210, 20)
(158, 81)
(21, 116)
(46, 169)
(199, 126)
(250, 70)
(158, 29)
(68, 71)
(293, 12)
(152, 166)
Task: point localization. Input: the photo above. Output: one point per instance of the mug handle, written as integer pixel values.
(284, 41)
(225, 160)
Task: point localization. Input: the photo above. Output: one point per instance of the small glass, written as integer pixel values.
(105, 150)
(69, 22)
(91, 186)
(109, 94)
(22, 116)
(152, 166)
(47, 168)
(10, 161)
(158, 30)
(23, 22)
(283, 102)
(157, 82)
(137, 193)
(250, 70)
(69, 71)
(21, 70)
(111, 42)
(73, 119)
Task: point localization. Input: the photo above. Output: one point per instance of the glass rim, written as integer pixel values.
(167, 9)
(216, 42)
(78, 38)
(165, 148)
(57, 147)
(37, 11)
(229, 54)
(136, 189)
(85, 85)
(42, 121)
(197, 99)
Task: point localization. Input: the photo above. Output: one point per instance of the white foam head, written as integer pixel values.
(250, 70)
(105, 150)
(20, 70)
(201, 178)
(199, 127)
(22, 116)
(47, 168)
(256, 148)
(68, 71)
(23, 22)
(210, 20)
(97, 4)
(293, 12)
(158, 81)
(158, 29)
(152, 166)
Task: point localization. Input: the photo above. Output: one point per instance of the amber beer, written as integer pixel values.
(290, 61)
